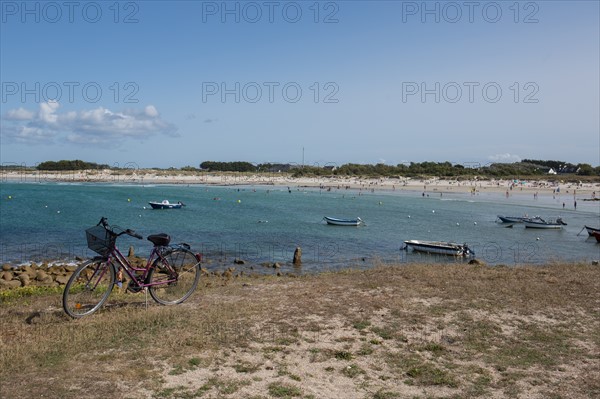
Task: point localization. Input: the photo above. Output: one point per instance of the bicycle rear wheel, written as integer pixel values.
(173, 280)
(88, 288)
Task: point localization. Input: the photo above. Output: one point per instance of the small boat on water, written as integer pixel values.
(539, 223)
(439, 247)
(165, 204)
(592, 230)
(343, 222)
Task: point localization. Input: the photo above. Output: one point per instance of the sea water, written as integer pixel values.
(265, 224)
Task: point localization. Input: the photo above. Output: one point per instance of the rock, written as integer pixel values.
(6, 267)
(239, 261)
(7, 276)
(56, 270)
(595, 262)
(79, 259)
(9, 284)
(131, 252)
(31, 272)
(62, 280)
(24, 279)
(297, 256)
(476, 262)
(276, 265)
(70, 269)
(41, 275)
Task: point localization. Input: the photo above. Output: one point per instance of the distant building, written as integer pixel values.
(552, 172)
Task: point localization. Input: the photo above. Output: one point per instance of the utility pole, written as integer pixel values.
(302, 157)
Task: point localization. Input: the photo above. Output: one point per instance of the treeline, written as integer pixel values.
(527, 167)
(70, 165)
(240, 166)
(413, 169)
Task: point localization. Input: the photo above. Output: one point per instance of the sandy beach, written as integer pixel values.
(580, 190)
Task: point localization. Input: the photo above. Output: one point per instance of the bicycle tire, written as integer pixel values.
(174, 283)
(88, 288)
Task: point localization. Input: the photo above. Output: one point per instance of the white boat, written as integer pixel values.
(343, 222)
(540, 223)
(439, 247)
(165, 204)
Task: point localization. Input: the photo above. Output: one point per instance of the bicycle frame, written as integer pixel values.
(139, 280)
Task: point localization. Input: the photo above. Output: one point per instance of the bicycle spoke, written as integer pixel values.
(173, 281)
(88, 288)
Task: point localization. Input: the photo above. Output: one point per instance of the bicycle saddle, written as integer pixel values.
(159, 240)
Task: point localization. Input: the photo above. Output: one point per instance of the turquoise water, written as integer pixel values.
(265, 223)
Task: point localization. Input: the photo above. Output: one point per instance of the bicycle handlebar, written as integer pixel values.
(133, 234)
(104, 222)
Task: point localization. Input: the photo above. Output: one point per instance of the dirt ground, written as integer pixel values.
(406, 331)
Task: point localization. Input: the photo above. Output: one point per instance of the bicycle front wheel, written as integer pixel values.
(88, 288)
(174, 279)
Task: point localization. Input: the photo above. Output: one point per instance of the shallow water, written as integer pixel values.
(265, 223)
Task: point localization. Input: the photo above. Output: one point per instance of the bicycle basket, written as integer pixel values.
(100, 240)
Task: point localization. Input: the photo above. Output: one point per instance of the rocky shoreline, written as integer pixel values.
(51, 274)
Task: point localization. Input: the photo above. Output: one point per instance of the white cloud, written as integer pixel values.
(93, 126)
(505, 158)
(19, 114)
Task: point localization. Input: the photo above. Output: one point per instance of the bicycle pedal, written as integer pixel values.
(134, 288)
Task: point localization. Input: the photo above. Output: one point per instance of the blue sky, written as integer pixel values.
(158, 83)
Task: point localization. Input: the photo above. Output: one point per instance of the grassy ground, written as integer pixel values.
(410, 331)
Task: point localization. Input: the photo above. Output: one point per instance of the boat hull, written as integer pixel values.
(596, 234)
(343, 222)
(160, 205)
(542, 225)
(510, 219)
(592, 230)
(437, 247)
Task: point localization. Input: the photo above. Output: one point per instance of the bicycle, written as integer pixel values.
(171, 273)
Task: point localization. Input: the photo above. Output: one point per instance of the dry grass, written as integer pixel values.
(416, 331)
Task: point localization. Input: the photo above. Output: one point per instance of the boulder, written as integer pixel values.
(62, 280)
(9, 284)
(131, 252)
(239, 261)
(276, 265)
(6, 276)
(41, 275)
(297, 256)
(6, 267)
(56, 270)
(24, 279)
(31, 272)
